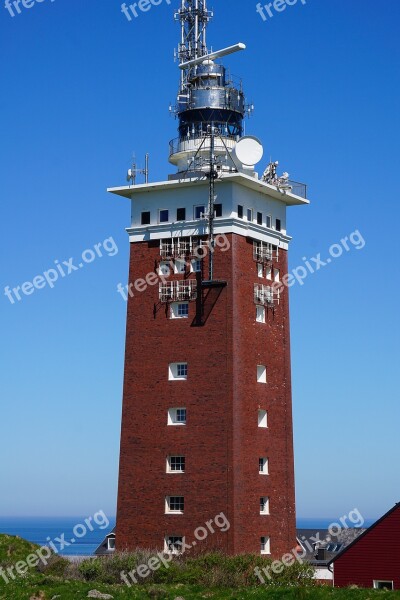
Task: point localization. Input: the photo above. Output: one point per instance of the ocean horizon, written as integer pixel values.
(44, 530)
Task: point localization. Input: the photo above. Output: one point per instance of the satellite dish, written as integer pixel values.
(248, 151)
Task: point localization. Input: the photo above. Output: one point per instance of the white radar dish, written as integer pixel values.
(249, 151)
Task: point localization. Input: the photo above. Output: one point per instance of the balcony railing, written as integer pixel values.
(180, 247)
(264, 253)
(265, 295)
(178, 291)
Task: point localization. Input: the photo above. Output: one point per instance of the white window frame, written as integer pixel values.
(266, 510)
(268, 221)
(179, 266)
(261, 374)
(260, 314)
(173, 417)
(265, 544)
(169, 462)
(195, 265)
(264, 470)
(164, 268)
(175, 551)
(277, 275)
(249, 211)
(109, 539)
(260, 270)
(262, 418)
(173, 371)
(169, 511)
(268, 273)
(174, 314)
(377, 581)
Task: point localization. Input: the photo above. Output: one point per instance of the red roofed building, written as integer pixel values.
(373, 559)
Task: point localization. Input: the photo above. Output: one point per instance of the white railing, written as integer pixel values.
(178, 291)
(266, 295)
(264, 252)
(179, 247)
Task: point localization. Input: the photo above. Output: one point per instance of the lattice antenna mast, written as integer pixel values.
(194, 18)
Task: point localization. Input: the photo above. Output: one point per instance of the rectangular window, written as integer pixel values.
(196, 266)
(263, 466)
(111, 542)
(177, 416)
(240, 211)
(268, 221)
(174, 504)
(278, 225)
(268, 273)
(218, 210)
(262, 419)
(260, 270)
(181, 214)
(199, 212)
(179, 310)
(250, 215)
(163, 216)
(383, 585)
(259, 218)
(146, 218)
(164, 268)
(173, 544)
(180, 266)
(265, 545)
(261, 374)
(277, 275)
(264, 505)
(260, 314)
(177, 371)
(176, 464)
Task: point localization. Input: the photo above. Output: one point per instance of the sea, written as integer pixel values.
(60, 531)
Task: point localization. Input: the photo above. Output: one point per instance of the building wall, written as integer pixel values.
(374, 556)
(221, 441)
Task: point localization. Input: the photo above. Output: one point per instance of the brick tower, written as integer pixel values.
(207, 415)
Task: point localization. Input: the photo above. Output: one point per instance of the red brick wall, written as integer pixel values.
(375, 556)
(221, 441)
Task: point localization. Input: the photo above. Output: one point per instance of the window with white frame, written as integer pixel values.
(260, 314)
(268, 221)
(250, 215)
(199, 212)
(277, 275)
(177, 416)
(163, 216)
(383, 585)
(265, 544)
(180, 266)
(179, 310)
(174, 504)
(176, 464)
(268, 273)
(262, 418)
(263, 465)
(260, 270)
(261, 374)
(164, 268)
(111, 542)
(240, 211)
(259, 218)
(278, 225)
(177, 371)
(264, 505)
(196, 265)
(173, 544)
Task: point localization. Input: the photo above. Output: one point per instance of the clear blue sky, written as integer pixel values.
(82, 88)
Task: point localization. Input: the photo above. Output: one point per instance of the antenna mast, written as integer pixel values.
(194, 18)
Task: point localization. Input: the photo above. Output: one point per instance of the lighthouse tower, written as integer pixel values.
(206, 436)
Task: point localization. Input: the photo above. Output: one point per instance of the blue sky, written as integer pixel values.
(83, 88)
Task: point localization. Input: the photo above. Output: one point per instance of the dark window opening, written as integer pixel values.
(164, 216)
(145, 218)
(240, 211)
(218, 210)
(278, 225)
(259, 218)
(181, 214)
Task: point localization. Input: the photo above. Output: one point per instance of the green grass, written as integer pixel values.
(209, 576)
(45, 588)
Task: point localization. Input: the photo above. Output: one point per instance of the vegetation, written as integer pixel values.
(212, 576)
